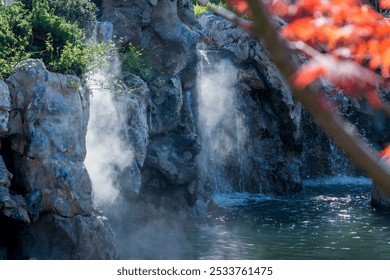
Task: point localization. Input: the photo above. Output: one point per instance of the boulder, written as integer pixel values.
(155, 26)
(50, 115)
(13, 206)
(55, 237)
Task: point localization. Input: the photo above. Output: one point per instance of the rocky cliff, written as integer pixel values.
(45, 193)
(163, 30)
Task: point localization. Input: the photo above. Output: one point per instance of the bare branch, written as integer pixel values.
(363, 156)
(343, 133)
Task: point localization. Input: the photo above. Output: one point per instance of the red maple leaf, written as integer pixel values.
(384, 4)
(386, 154)
(354, 79)
(240, 6)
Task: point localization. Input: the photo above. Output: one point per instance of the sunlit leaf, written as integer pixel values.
(306, 75)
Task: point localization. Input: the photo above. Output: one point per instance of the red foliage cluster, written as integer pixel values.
(386, 154)
(362, 33)
(344, 35)
(240, 6)
(346, 41)
(385, 4)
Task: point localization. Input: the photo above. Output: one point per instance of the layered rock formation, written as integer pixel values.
(45, 194)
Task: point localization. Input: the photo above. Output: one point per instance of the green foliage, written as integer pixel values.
(82, 12)
(52, 35)
(33, 30)
(133, 60)
(199, 9)
(75, 60)
(15, 31)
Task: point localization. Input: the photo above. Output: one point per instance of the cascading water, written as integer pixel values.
(321, 156)
(107, 153)
(222, 131)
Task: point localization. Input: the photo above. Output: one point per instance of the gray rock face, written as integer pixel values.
(13, 206)
(50, 149)
(134, 103)
(104, 31)
(5, 175)
(157, 28)
(166, 107)
(164, 30)
(185, 11)
(82, 237)
(264, 154)
(171, 156)
(43, 171)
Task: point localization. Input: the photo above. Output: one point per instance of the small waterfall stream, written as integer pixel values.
(321, 157)
(108, 152)
(222, 131)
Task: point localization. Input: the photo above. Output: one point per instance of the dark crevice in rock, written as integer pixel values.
(7, 154)
(9, 238)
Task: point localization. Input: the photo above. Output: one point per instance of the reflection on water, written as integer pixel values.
(330, 219)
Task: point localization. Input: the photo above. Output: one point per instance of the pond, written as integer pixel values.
(330, 219)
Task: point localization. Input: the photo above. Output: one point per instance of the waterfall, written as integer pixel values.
(107, 152)
(321, 156)
(222, 130)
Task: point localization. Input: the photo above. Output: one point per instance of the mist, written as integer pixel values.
(107, 153)
(222, 128)
(142, 231)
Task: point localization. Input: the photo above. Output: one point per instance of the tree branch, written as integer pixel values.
(343, 133)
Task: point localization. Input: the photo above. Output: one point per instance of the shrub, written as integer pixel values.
(133, 60)
(31, 29)
(198, 9)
